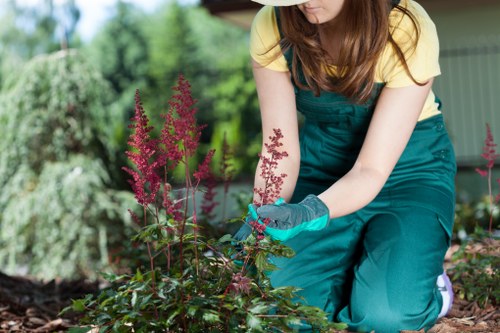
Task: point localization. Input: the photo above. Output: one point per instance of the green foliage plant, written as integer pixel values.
(477, 262)
(60, 213)
(191, 283)
(476, 269)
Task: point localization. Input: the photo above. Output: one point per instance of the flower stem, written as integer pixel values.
(490, 230)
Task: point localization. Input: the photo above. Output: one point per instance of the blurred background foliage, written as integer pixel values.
(65, 105)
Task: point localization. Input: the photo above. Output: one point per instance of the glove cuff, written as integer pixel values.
(316, 205)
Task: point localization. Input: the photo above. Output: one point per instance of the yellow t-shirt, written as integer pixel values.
(423, 62)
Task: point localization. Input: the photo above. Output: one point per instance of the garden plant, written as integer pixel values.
(476, 264)
(192, 282)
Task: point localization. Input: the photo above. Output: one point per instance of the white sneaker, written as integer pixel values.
(443, 284)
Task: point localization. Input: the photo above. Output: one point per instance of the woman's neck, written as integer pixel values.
(331, 35)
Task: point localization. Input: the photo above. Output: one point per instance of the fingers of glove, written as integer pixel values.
(280, 213)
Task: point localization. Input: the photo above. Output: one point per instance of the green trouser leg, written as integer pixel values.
(398, 254)
(395, 278)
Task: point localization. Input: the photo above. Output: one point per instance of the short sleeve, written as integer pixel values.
(264, 39)
(422, 60)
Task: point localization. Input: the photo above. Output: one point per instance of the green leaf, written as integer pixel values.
(138, 276)
(226, 238)
(262, 263)
(253, 322)
(134, 299)
(192, 310)
(112, 277)
(338, 326)
(79, 329)
(211, 317)
(103, 329)
(293, 320)
(259, 308)
(161, 294)
(230, 307)
(78, 305)
(144, 301)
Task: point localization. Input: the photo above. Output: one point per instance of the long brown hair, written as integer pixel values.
(367, 33)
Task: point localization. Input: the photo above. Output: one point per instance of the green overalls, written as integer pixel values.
(374, 269)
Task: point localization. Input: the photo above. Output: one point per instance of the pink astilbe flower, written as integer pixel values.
(260, 228)
(134, 216)
(172, 207)
(143, 155)
(269, 164)
(208, 204)
(272, 182)
(204, 173)
(490, 155)
(180, 134)
(489, 152)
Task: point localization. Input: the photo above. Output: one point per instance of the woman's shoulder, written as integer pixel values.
(400, 22)
(266, 12)
(264, 40)
(416, 37)
(265, 21)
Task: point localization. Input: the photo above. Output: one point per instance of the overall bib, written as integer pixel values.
(376, 268)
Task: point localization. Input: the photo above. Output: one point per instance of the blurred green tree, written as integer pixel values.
(120, 52)
(135, 50)
(27, 31)
(59, 212)
(213, 56)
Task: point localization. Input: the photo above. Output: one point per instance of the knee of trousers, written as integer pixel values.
(383, 320)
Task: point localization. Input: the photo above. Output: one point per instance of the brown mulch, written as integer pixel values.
(466, 316)
(28, 305)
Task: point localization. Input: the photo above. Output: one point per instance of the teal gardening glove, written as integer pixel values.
(246, 228)
(285, 221)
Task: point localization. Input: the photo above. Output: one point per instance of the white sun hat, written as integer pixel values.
(280, 3)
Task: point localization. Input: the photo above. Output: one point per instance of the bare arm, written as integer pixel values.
(278, 111)
(394, 119)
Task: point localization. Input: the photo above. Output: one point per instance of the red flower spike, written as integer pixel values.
(489, 154)
(145, 181)
(489, 149)
(203, 171)
(269, 163)
(180, 134)
(208, 204)
(135, 218)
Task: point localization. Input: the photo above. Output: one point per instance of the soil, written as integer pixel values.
(29, 305)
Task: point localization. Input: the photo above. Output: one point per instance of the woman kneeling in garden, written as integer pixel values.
(370, 188)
